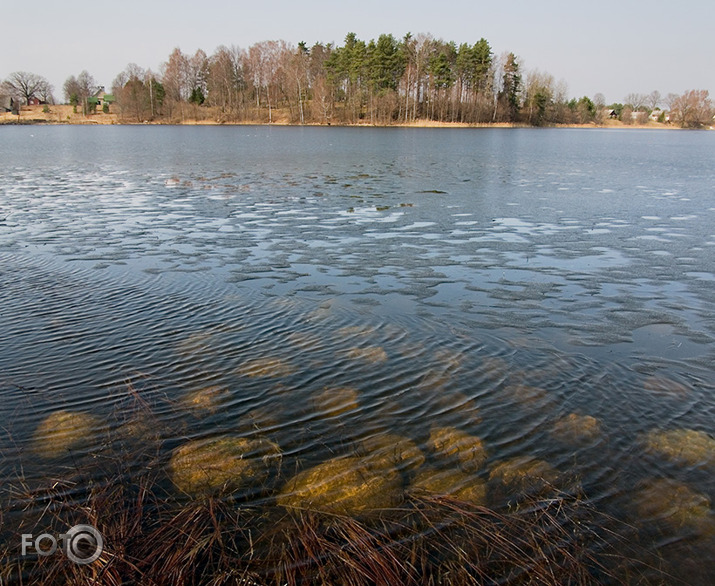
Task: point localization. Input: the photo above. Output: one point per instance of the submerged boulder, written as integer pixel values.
(65, 431)
(684, 446)
(452, 483)
(665, 386)
(344, 486)
(526, 395)
(575, 428)
(392, 451)
(207, 399)
(466, 450)
(266, 367)
(459, 406)
(333, 401)
(675, 504)
(369, 354)
(222, 465)
(524, 474)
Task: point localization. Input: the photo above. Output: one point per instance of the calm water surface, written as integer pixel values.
(492, 280)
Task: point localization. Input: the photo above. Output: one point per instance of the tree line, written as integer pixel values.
(382, 81)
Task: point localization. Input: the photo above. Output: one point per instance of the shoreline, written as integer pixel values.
(64, 115)
(416, 124)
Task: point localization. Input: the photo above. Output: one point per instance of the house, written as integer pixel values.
(9, 104)
(99, 98)
(656, 114)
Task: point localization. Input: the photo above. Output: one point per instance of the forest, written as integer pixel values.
(379, 82)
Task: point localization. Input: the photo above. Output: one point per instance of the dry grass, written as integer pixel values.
(157, 541)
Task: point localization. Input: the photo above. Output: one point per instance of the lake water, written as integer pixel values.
(503, 282)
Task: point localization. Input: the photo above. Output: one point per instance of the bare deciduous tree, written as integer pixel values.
(693, 109)
(175, 77)
(636, 101)
(653, 100)
(78, 90)
(26, 85)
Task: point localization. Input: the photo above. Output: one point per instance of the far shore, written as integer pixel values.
(57, 115)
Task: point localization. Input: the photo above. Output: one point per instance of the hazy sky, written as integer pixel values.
(614, 48)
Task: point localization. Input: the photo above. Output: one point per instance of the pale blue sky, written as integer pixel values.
(612, 48)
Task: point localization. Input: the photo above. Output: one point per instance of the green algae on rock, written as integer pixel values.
(344, 486)
(575, 428)
(266, 367)
(452, 444)
(452, 483)
(674, 503)
(207, 399)
(665, 386)
(65, 431)
(684, 446)
(369, 354)
(222, 465)
(334, 401)
(524, 473)
(392, 451)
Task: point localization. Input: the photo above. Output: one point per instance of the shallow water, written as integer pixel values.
(492, 280)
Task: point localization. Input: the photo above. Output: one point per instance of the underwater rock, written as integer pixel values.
(350, 331)
(369, 354)
(685, 446)
(334, 401)
(450, 443)
(64, 431)
(346, 486)
(524, 474)
(449, 360)
(222, 465)
(195, 343)
(665, 386)
(458, 404)
(453, 483)
(495, 369)
(138, 428)
(575, 428)
(526, 394)
(305, 341)
(266, 367)
(261, 418)
(675, 504)
(207, 399)
(434, 381)
(392, 451)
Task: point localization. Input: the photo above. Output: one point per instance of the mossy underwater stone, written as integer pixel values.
(65, 431)
(392, 451)
(452, 483)
(369, 354)
(343, 486)
(453, 444)
(575, 428)
(222, 465)
(207, 399)
(269, 367)
(665, 386)
(524, 474)
(334, 401)
(682, 446)
(675, 504)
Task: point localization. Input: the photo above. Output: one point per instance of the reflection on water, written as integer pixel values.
(449, 312)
